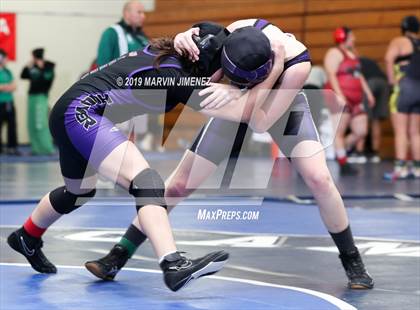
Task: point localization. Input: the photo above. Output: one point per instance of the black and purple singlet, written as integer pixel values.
(83, 119)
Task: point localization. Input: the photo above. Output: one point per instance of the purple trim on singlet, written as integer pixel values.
(256, 75)
(151, 67)
(261, 24)
(302, 57)
(147, 52)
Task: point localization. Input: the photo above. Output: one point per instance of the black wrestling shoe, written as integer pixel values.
(178, 270)
(30, 247)
(107, 267)
(348, 170)
(356, 272)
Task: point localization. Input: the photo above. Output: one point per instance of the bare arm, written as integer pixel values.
(235, 111)
(390, 56)
(184, 44)
(240, 23)
(368, 91)
(8, 87)
(281, 98)
(332, 61)
(12, 86)
(239, 109)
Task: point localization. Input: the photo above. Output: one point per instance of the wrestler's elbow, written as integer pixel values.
(259, 123)
(260, 128)
(256, 129)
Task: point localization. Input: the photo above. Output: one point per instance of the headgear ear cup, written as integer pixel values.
(340, 35)
(209, 43)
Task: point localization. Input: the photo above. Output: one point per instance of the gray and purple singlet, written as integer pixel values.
(83, 120)
(219, 138)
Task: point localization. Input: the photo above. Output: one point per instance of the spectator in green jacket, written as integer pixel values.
(7, 108)
(119, 39)
(124, 36)
(40, 73)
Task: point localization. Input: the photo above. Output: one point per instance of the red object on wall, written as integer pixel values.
(8, 34)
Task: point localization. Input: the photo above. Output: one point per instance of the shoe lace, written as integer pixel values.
(109, 258)
(183, 261)
(112, 258)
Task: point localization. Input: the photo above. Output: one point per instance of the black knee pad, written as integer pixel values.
(65, 202)
(148, 188)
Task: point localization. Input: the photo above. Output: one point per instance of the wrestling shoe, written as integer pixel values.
(30, 247)
(107, 267)
(394, 176)
(178, 271)
(374, 157)
(415, 170)
(356, 272)
(357, 157)
(415, 173)
(400, 172)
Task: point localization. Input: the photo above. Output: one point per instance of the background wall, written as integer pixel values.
(375, 23)
(70, 30)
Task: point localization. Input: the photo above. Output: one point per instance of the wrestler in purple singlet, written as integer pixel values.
(83, 120)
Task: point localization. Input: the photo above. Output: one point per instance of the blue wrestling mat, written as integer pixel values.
(283, 259)
(73, 288)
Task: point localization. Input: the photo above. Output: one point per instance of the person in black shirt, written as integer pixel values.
(7, 106)
(378, 83)
(402, 60)
(40, 73)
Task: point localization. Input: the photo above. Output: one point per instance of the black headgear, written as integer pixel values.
(210, 42)
(247, 58)
(410, 23)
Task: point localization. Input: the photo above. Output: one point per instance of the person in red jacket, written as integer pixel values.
(346, 105)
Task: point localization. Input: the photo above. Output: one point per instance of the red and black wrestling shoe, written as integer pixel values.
(30, 247)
